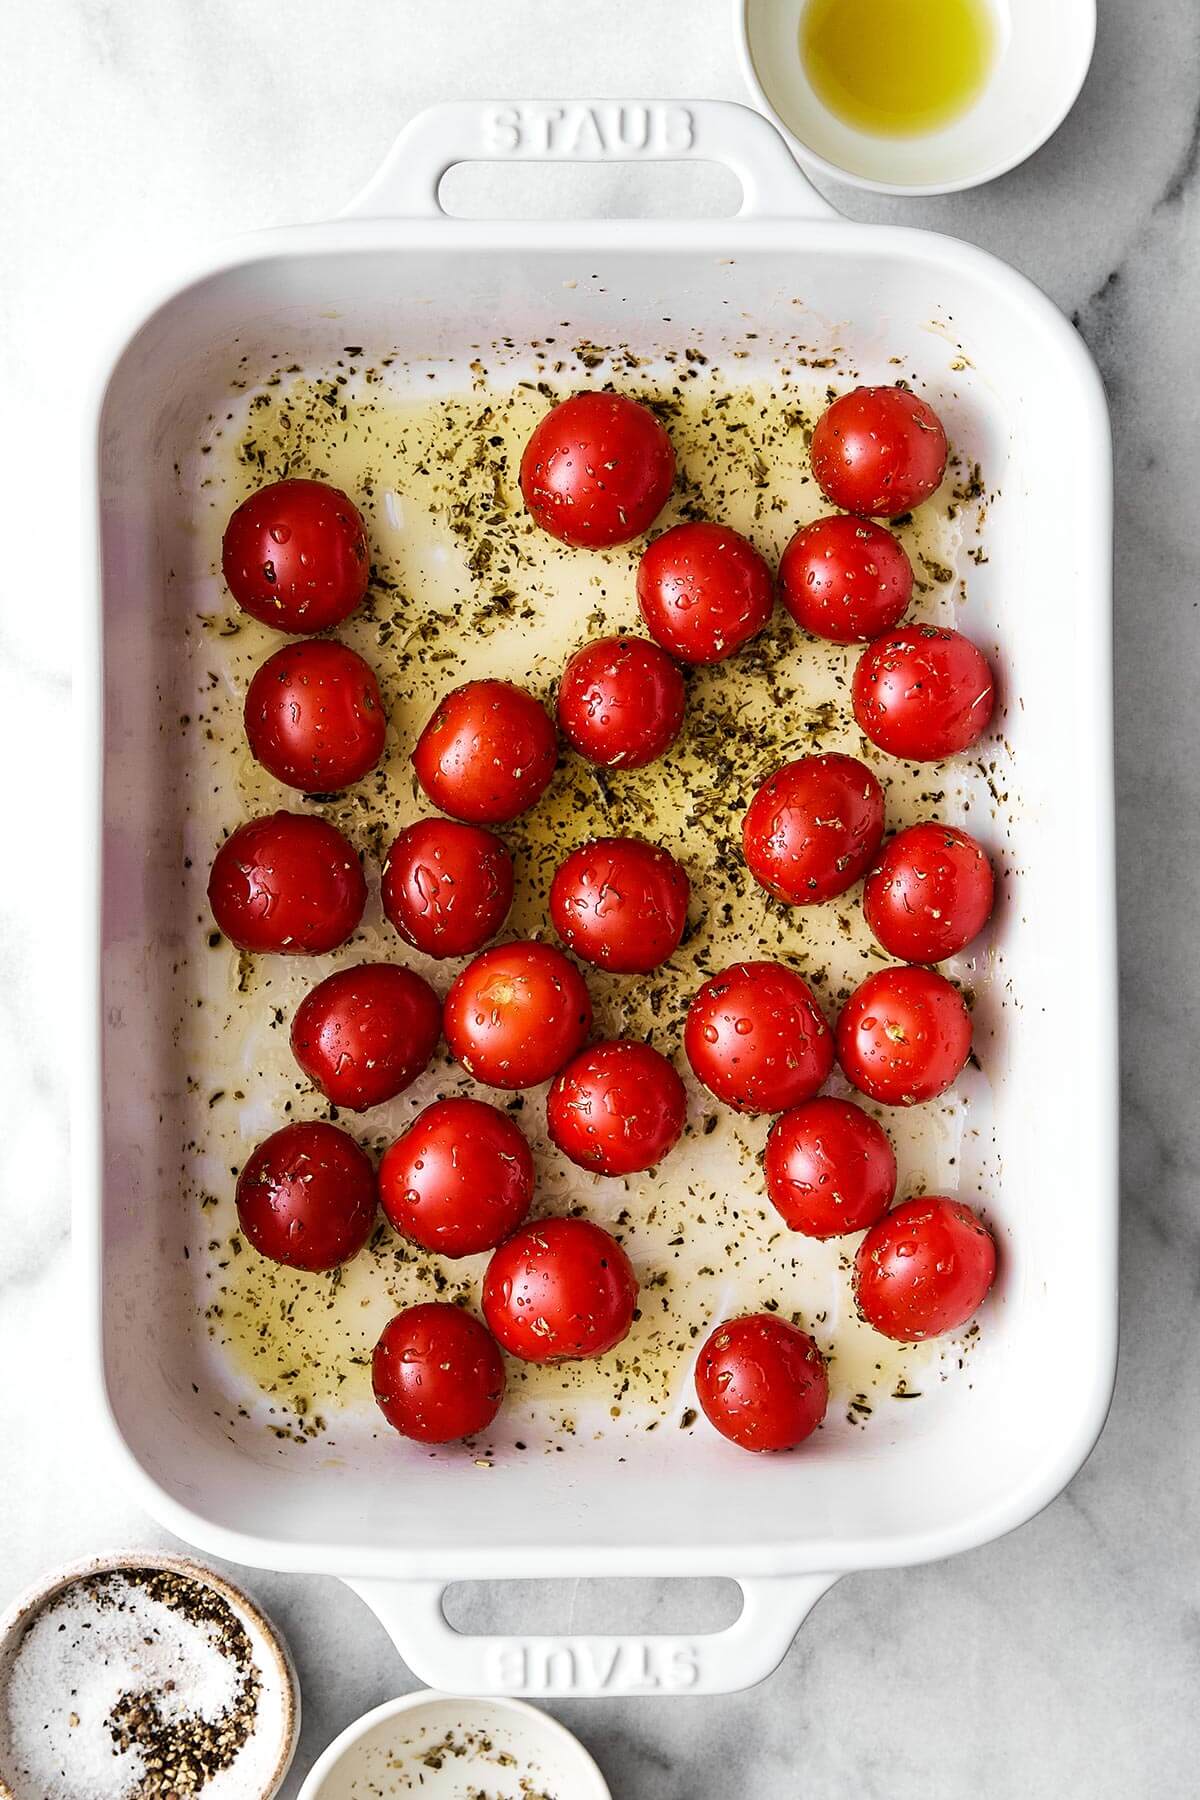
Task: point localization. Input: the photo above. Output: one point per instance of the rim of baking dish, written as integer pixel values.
(480, 1560)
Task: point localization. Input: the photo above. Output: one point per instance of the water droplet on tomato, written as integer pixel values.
(426, 883)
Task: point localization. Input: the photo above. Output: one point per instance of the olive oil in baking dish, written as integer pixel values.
(464, 585)
(898, 68)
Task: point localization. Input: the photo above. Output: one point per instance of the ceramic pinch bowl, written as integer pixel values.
(444, 1747)
(1042, 52)
(42, 1707)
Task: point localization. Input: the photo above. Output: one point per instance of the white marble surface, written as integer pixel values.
(1064, 1660)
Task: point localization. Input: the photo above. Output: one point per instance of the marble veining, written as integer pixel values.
(1062, 1660)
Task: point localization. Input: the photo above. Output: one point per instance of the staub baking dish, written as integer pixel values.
(1037, 1138)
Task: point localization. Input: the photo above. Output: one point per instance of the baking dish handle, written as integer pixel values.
(773, 1609)
(720, 131)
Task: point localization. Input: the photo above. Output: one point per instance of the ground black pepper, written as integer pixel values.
(182, 1754)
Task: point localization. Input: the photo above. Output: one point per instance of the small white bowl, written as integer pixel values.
(446, 1746)
(1044, 50)
(280, 1689)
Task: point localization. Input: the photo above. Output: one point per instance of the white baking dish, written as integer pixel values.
(1025, 399)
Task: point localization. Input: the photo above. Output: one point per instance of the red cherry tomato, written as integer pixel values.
(306, 1197)
(487, 754)
(364, 1034)
(617, 1108)
(830, 1168)
(879, 450)
(756, 1038)
(314, 717)
(904, 1036)
(845, 579)
(762, 1382)
(459, 1180)
(704, 591)
(559, 1288)
(923, 693)
(929, 894)
(924, 1269)
(516, 1014)
(621, 904)
(621, 702)
(437, 1374)
(288, 883)
(597, 470)
(447, 887)
(295, 556)
(813, 828)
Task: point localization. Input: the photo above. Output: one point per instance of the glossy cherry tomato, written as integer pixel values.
(459, 1180)
(704, 591)
(756, 1038)
(597, 470)
(295, 556)
(762, 1382)
(617, 1108)
(924, 1269)
(516, 1014)
(923, 693)
(621, 904)
(929, 894)
(830, 1168)
(845, 579)
(447, 887)
(621, 702)
(813, 828)
(488, 752)
(904, 1036)
(437, 1374)
(306, 1197)
(559, 1288)
(364, 1034)
(287, 882)
(314, 716)
(879, 451)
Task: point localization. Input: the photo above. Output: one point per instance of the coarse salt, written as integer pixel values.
(106, 1654)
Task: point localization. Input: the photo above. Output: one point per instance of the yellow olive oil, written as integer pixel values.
(898, 68)
(465, 585)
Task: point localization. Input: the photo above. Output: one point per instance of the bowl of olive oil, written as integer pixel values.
(916, 96)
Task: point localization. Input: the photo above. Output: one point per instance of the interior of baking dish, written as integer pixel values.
(922, 1451)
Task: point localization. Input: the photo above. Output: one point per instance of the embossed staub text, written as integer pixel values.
(630, 1665)
(632, 129)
